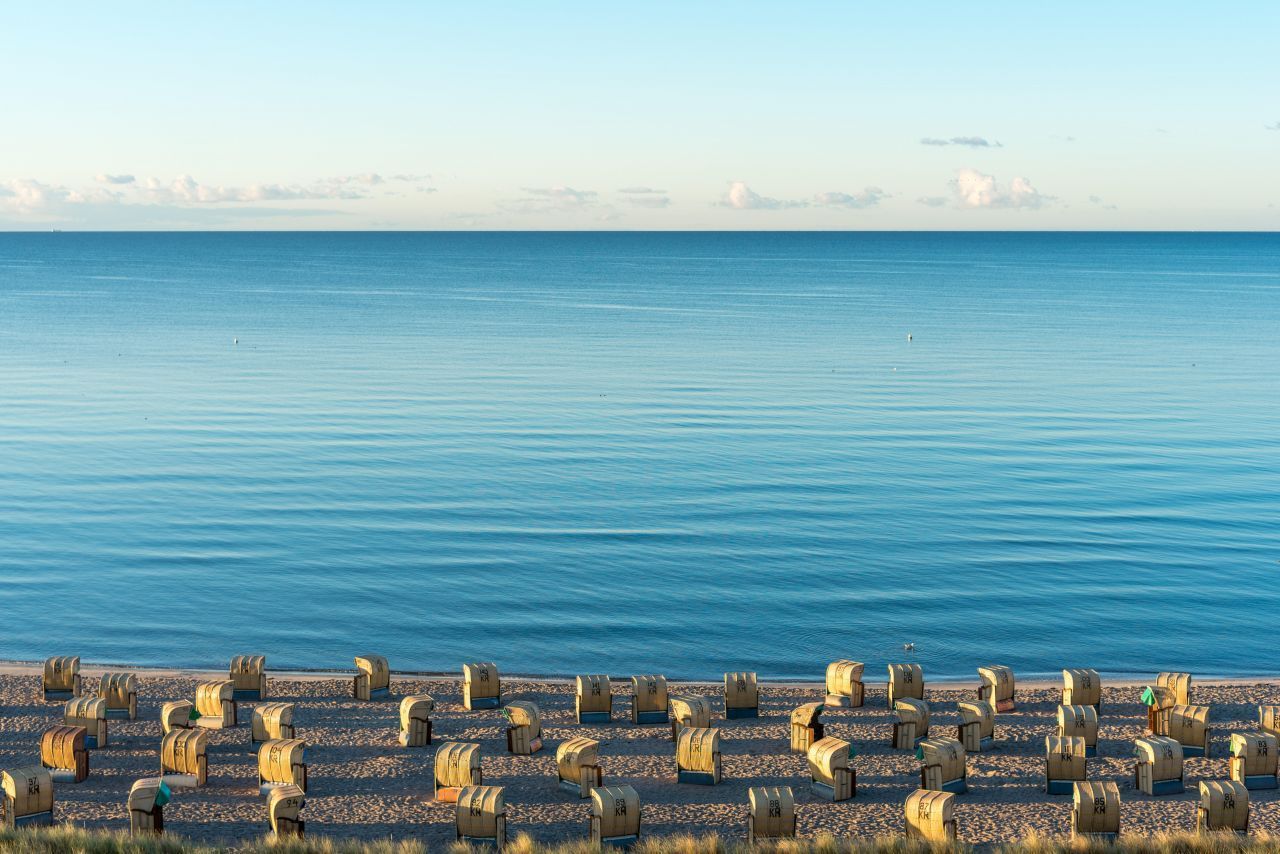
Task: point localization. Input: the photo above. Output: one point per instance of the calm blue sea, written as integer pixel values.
(627, 453)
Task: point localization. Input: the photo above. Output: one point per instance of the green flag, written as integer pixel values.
(163, 794)
(1148, 696)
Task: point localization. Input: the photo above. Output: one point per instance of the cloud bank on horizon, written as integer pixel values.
(567, 118)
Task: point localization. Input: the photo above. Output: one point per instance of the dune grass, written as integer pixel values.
(70, 840)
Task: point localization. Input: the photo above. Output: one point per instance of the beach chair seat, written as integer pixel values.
(593, 699)
(248, 675)
(829, 772)
(1253, 759)
(415, 720)
(120, 691)
(615, 817)
(805, 726)
(524, 730)
(1095, 811)
(147, 798)
(771, 813)
(284, 810)
(649, 699)
(61, 681)
(741, 695)
(373, 678)
(184, 761)
(912, 725)
(216, 705)
(457, 765)
(942, 765)
(844, 684)
(906, 681)
(929, 815)
(698, 756)
(578, 766)
(689, 711)
(997, 689)
(26, 797)
(62, 751)
(481, 817)
(1158, 770)
(1065, 763)
(1224, 806)
(91, 714)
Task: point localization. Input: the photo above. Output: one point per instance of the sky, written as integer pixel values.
(654, 116)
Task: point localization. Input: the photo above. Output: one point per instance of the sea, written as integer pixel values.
(628, 453)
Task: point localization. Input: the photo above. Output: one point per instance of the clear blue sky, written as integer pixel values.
(641, 116)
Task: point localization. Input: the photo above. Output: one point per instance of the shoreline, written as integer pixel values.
(11, 667)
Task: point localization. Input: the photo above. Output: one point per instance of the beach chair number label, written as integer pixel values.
(775, 809)
(619, 807)
(484, 674)
(476, 808)
(595, 689)
(1229, 801)
(1099, 806)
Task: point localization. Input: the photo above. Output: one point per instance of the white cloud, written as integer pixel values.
(932, 201)
(967, 141)
(1275, 126)
(869, 197)
(27, 196)
(642, 191)
(186, 190)
(114, 179)
(974, 189)
(741, 197)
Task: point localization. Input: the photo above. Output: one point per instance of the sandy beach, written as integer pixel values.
(363, 785)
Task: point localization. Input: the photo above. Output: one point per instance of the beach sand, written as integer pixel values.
(363, 785)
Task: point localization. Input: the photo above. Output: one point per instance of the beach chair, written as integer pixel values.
(977, 728)
(415, 720)
(1082, 722)
(687, 711)
(284, 810)
(1179, 684)
(741, 695)
(649, 700)
(216, 705)
(62, 751)
(481, 817)
(1224, 806)
(829, 773)
(578, 764)
(615, 817)
(593, 699)
(844, 684)
(1253, 761)
(90, 713)
(906, 681)
(1095, 811)
(27, 797)
(120, 691)
(1064, 763)
(929, 816)
(997, 687)
(1269, 719)
(1082, 687)
(942, 765)
(698, 756)
(771, 813)
(271, 721)
(248, 675)
(457, 765)
(373, 678)
(805, 726)
(912, 725)
(1158, 770)
(61, 678)
(481, 686)
(282, 762)
(146, 802)
(1189, 726)
(176, 714)
(184, 762)
(524, 730)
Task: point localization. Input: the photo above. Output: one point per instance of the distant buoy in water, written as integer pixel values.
(908, 336)
(236, 340)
